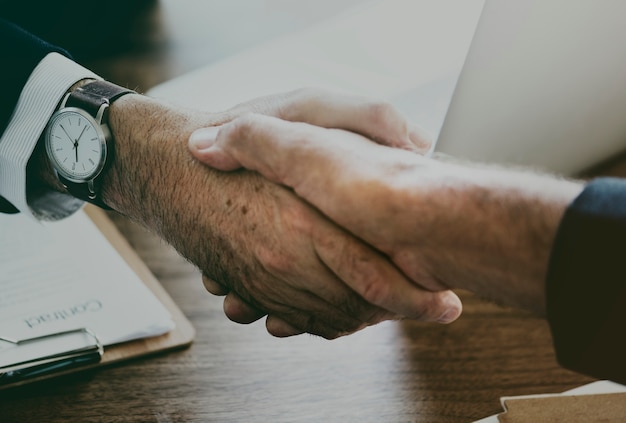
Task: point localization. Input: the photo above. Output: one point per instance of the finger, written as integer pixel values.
(267, 145)
(202, 144)
(290, 323)
(422, 139)
(377, 120)
(380, 283)
(329, 310)
(306, 158)
(214, 287)
(239, 311)
(279, 328)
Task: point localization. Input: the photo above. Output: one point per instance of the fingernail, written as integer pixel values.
(420, 138)
(203, 138)
(450, 316)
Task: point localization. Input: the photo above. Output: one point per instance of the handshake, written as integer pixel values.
(322, 212)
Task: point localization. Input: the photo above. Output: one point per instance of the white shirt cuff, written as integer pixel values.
(43, 91)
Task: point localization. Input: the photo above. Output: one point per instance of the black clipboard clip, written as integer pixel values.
(52, 353)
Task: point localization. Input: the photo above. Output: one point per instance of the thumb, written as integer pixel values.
(259, 143)
(204, 147)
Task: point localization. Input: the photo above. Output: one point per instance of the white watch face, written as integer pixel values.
(75, 144)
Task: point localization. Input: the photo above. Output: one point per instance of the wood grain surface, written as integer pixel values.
(393, 372)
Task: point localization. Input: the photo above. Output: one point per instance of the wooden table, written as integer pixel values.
(393, 372)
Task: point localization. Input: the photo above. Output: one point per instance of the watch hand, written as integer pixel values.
(68, 135)
(81, 134)
(76, 142)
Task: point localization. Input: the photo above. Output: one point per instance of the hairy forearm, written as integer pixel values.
(252, 236)
(148, 159)
(154, 181)
(500, 229)
(444, 224)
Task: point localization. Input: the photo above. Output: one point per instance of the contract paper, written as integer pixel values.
(65, 275)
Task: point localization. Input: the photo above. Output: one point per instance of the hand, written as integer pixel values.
(377, 120)
(251, 236)
(444, 225)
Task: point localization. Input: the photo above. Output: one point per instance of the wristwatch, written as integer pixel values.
(78, 141)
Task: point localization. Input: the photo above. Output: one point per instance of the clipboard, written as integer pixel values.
(95, 355)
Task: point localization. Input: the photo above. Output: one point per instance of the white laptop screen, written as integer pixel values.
(544, 84)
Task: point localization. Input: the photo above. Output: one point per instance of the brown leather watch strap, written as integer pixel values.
(90, 98)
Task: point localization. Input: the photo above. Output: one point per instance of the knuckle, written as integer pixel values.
(299, 219)
(241, 128)
(274, 261)
(374, 290)
(298, 102)
(363, 268)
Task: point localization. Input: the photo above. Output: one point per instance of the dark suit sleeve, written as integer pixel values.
(586, 282)
(21, 53)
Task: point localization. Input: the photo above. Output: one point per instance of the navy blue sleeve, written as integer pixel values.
(586, 282)
(21, 53)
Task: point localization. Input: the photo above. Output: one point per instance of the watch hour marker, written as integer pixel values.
(91, 161)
